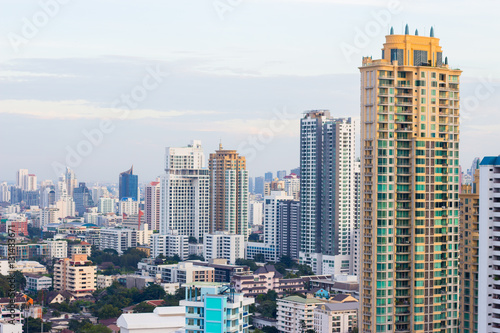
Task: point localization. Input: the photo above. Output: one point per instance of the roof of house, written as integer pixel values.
(339, 306)
(342, 298)
(299, 299)
(167, 317)
(268, 269)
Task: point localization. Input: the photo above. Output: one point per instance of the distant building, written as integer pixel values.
(336, 316)
(106, 205)
(129, 185)
(128, 206)
(292, 186)
(152, 204)
(259, 185)
(82, 198)
(229, 192)
(104, 281)
(268, 176)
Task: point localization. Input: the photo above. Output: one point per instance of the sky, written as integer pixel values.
(103, 85)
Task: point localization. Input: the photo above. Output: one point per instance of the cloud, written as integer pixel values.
(81, 109)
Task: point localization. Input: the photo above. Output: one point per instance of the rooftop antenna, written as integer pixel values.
(220, 144)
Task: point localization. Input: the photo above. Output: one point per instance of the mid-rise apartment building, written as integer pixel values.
(223, 245)
(76, 275)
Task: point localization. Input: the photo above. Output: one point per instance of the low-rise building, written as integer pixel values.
(338, 284)
(339, 317)
(296, 314)
(37, 282)
(33, 267)
(214, 307)
(185, 272)
(264, 279)
(224, 272)
(168, 319)
(104, 281)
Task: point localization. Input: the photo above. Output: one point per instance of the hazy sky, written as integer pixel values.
(155, 73)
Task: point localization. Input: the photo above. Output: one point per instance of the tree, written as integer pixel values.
(144, 307)
(195, 257)
(153, 291)
(270, 329)
(108, 311)
(56, 313)
(267, 309)
(247, 262)
(192, 240)
(20, 280)
(32, 325)
(253, 238)
(287, 261)
(259, 257)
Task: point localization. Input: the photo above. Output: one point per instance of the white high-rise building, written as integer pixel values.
(185, 190)
(4, 192)
(489, 246)
(327, 192)
(222, 245)
(66, 206)
(152, 204)
(272, 220)
(128, 206)
(30, 182)
(292, 186)
(48, 216)
(21, 178)
(169, 244)
(106, 205)
(255, 209)
(118, 239)
(57, 248)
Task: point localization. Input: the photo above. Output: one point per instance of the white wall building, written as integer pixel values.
(489, 246)
(296, 314)
(336, 317)
(292, 186)
(128, 206)
(169, 245)
(106, 205)
(222, 245)
(255, 213)
(57, 248)
(167, 319)
(185, 190)
(4, 192)
(65, 206)
(272, 220)
(118, 239)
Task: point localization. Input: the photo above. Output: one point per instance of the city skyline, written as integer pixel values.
(84, 84)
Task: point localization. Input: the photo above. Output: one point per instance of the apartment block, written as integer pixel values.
(76, 275)
(223, 245)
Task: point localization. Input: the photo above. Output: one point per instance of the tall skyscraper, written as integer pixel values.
(268, 176)
(327, 192)
(250, 185)
(82, 198)
(185, 192)
(469, 255)
(296, 171)
(289, 228)
(228, 192)
(259, 185)
(70, 181)
(281, 174)
(128, 185)
(410, 184)
(21, 178)
(152, 204)
(488, 312)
